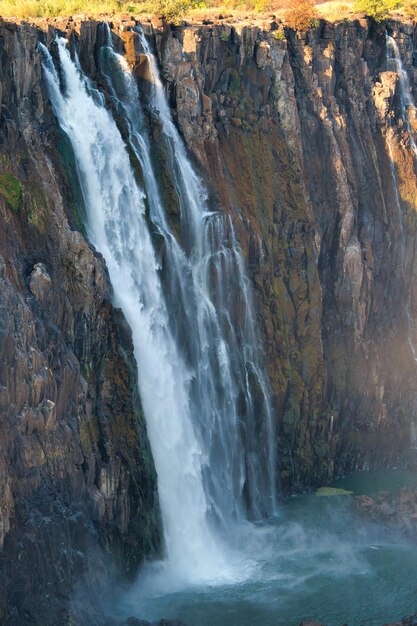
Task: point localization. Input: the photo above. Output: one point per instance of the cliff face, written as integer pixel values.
(292, 134)
(77, 483)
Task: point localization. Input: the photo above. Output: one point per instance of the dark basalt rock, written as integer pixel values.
(78, 503)
(398, 511)
(294, 146)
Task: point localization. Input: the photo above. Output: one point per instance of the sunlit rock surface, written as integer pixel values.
(292, 135)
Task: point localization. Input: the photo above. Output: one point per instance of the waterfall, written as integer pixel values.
(222, 348)
(406, 101)
(202, 387)
(414, 435)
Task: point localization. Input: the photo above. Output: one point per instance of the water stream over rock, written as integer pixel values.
(204, 394)
(406, 103)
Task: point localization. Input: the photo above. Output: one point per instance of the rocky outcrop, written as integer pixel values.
(411, 620)
(78, 500)
(397, 511)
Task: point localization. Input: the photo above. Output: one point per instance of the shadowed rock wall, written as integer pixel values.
(78, 499)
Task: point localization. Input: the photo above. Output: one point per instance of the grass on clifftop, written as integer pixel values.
(55, 8)
(295, 13)
(167, 8)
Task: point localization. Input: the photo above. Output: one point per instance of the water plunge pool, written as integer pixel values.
(319, 559)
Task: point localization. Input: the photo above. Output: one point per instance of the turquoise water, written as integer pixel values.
(317, 560)
(371, 483)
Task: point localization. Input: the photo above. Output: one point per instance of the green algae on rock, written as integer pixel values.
(333, 491)
(11, 190)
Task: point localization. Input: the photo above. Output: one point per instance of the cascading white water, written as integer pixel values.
(414, 435)
(203, 391)
(406, 99)
(117, 227)
(406, 102)
(208, 283)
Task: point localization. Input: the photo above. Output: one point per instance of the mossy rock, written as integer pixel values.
(37, 214)
(233, 87)
(11, 190)
(86, 371)
(333, 491)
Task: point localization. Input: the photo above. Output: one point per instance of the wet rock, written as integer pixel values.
(398, 511)
(406, 621)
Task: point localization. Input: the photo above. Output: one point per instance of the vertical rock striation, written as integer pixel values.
(77, 483)
(292, 135)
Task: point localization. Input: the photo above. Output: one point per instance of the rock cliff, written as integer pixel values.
(293, 133)
(301, 137)
(77, 484)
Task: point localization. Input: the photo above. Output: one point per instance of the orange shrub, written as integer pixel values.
(302, 14)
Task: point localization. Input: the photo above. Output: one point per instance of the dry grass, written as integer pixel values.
(54, 8)
(332, 10)
(335, 10)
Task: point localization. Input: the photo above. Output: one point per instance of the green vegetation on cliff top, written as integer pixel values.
(297, 13)
(54, 8)
(379, 9)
